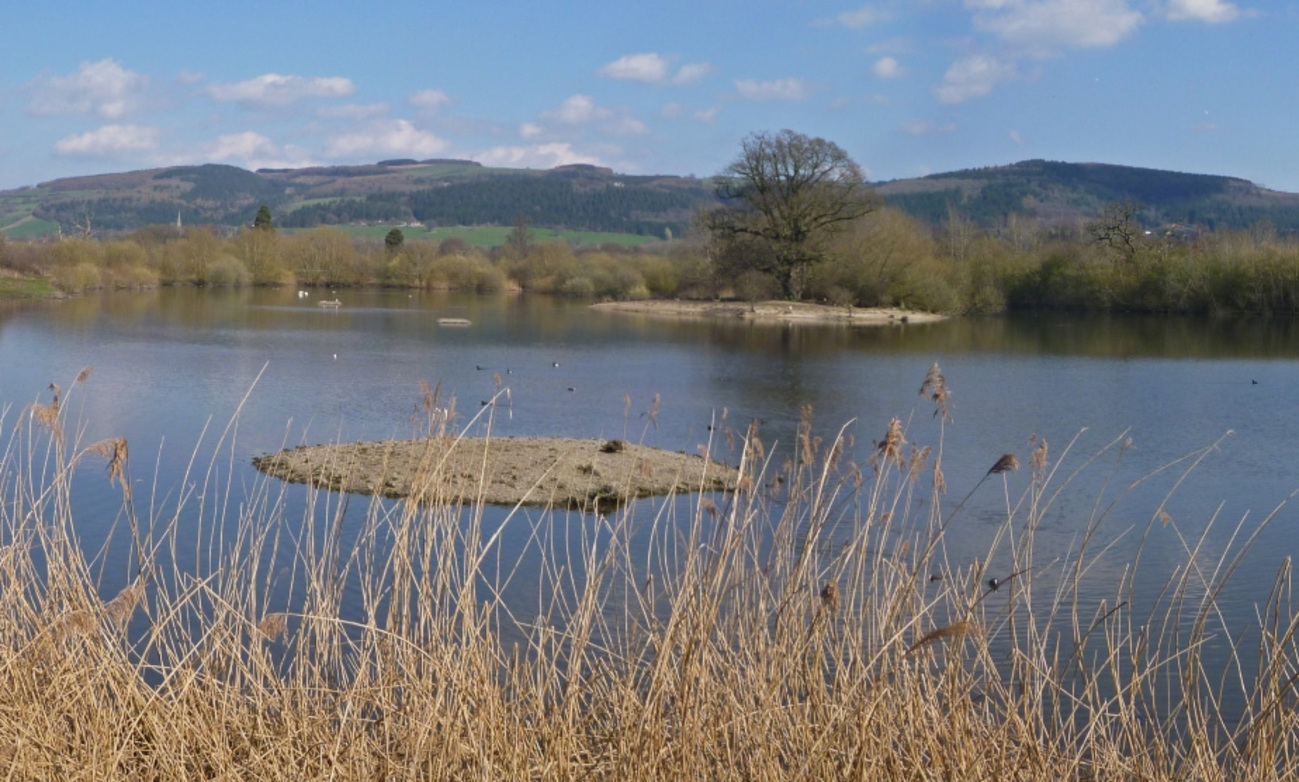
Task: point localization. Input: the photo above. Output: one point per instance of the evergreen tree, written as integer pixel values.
(263, 219)
(394, 241)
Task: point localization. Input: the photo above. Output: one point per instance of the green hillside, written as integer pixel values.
(1062, 193)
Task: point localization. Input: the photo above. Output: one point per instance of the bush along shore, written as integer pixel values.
(884, 259)
(810, 623)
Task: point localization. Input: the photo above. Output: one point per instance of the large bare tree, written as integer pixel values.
(784, 197)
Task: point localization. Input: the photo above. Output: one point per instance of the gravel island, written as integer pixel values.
(558, 472)
(771, 312)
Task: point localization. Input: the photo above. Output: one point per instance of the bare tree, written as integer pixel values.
(786, 196)
(1117, 228)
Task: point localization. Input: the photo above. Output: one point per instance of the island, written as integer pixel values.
(770, 312)
(584, 474)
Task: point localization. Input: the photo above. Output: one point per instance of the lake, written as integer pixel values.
(171, 368)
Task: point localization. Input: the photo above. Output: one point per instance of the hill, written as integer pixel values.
(430, 192)
(444, 192)
(1066, 193)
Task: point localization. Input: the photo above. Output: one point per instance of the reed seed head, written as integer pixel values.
(1007, 463)
(1039, 458)
(935, 388)
(115, 451)
(891, 446)
(274, 626)
(830, 597)
(954, 630)
(120, 608)
(71, 624)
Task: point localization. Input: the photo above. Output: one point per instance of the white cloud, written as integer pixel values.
(678, 111)
(887, 68)
(647, 67)
(779, 89)
(353, 111)
(653, 68)
(1046, 25)
(540, 156)
(862, 17)
(1016, 137)
(575, 110)
(692, 72)
(396, 138)
(109, 140)
(972, 77)
(924, 127)
(580, 110)
(429, 100)
(248, 149)
(242, 146)
(101, 88)
(530, 130)
(1211, 11)
(273, 89)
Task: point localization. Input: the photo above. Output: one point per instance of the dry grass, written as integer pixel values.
(808, 626)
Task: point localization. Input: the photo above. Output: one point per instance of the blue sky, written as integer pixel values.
(907, 87)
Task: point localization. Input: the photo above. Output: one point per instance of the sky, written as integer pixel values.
(906, 87)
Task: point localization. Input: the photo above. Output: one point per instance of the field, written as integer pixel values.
(14, 286)
(496, 236)
(26, 227)
(30, 228)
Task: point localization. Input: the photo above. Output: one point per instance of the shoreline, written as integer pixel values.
(770, 312)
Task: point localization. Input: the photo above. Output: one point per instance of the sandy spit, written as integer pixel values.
(770, 311)
(560, 472)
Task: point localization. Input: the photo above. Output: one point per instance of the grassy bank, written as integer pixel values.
(812, 624)
(21, 286)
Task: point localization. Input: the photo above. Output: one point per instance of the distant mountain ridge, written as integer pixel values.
(446, 192)
(1065, 193)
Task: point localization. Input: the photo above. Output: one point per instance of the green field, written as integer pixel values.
(495, 236)
(30, 228)
(24, 287)
(295, 206)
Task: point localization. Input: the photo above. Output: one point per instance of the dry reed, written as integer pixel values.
(728, 637)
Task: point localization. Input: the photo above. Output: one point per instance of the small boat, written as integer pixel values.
(454, 322)
(335, 304)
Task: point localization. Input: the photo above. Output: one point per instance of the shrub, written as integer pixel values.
(578, 288)
(227, 271)
(77, 278)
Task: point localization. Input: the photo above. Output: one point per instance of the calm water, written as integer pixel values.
(170, 364)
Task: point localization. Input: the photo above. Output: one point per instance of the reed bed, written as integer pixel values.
(811, 625)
